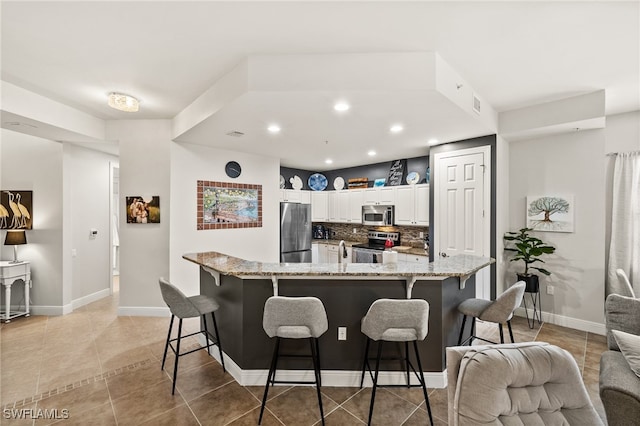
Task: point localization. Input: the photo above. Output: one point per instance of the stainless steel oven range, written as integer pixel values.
(372, 251)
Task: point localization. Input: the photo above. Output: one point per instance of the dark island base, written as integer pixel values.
(346, 302)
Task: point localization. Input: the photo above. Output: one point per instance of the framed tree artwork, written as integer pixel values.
(224, 205)
(550, 213)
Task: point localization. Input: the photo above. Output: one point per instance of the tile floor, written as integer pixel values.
(105, 370)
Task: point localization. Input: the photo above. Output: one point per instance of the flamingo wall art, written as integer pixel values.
(16, 209)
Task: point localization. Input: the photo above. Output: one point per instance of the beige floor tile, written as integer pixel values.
(389, 409)
(439, 401)
(251, 419)
(17, 387)
(101, 415)
(148, 375)
(258, 391)
(340, 394)
(179, 416)
(223, 405)
(341, 417)
(23, 416)
(145, 403)
(200, 380)
(77, 400)
(299, 406)
(420, 418)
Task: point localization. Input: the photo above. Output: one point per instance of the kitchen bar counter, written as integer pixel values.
(454, 266)
(241, 288)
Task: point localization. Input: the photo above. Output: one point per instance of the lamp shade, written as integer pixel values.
(15, 238)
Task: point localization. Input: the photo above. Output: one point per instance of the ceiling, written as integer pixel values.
(514, 54)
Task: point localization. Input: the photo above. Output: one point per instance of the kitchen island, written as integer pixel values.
(241, 287)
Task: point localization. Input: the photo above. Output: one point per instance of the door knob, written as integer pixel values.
(443, 254)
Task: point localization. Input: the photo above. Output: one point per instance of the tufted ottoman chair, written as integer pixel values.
(516, 384)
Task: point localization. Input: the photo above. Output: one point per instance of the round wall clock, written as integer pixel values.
(233, 169)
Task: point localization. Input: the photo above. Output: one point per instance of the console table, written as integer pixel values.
(10, 273)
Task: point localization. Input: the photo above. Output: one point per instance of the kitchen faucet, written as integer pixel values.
(342, 251)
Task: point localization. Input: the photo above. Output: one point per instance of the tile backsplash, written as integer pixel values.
(409, 235)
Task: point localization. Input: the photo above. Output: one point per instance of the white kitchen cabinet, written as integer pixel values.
(295, 196)
(345, 206)
(333, 254)
(319, 253)
(319, 206)
(380, 196)
(412, 205)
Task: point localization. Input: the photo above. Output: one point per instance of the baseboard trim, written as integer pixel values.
(143, 311)
(50, 310)
(564, 321)
(85, 300)
(331, 378)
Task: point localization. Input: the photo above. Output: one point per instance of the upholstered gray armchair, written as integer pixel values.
(531, 383)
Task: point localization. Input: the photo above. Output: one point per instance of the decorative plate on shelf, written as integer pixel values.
(413, 178)
(338, 183)
(317, 182)
(281, 182)
(296, 182)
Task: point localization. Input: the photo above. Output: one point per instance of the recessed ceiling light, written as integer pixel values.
(341, 106)
(328, 161)
(123, 102)
(274, 128)
(396, 128)
(433, 141)
(371, 153)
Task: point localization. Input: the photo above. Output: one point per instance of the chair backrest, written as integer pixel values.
(386, 315)
(502, 308)
(626, 288)
(177, 302)
(621, 313)
(281, 311)
(522, 383)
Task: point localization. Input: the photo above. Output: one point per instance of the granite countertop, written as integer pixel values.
(454, 266)
(411, 250)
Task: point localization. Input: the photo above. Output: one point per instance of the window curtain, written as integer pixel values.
(625, 227)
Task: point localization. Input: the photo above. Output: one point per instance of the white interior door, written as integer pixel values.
(462, 224)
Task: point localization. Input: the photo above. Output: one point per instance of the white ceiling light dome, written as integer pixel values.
(396, 128)
(274, 128)
(341, 106)
(123, 102)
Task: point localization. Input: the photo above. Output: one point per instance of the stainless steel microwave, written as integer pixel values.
(378, 215)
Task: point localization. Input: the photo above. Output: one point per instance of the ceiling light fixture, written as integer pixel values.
(274, 128)
(123, 102)
(433, 141)
(328, 161)
(341, 106)
(396, 128)
(371, 153)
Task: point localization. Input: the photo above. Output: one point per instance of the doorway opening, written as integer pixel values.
(114, 253)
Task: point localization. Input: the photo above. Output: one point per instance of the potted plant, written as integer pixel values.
(528, 249)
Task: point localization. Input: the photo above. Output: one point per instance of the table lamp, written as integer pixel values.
(15, 238)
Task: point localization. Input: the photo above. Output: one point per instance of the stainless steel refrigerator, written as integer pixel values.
(295, 233)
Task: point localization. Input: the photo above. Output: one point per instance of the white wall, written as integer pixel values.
(622, 135)
(190, 163)
(31, 163)
(568, 164)
(89, 192)
(144, 248)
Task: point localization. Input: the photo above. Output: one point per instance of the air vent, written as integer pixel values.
(476, 104)
(235, 134)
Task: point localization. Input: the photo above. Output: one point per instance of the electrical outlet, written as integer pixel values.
(74, 252)
(550, 289)
(421, 234)
(355, 230)
(342, 333)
